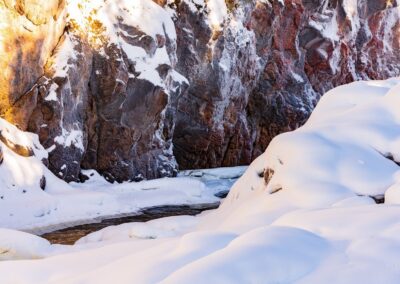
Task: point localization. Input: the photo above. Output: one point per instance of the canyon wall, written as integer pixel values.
(138, 89)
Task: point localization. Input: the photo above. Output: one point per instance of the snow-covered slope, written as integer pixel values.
(304, 212)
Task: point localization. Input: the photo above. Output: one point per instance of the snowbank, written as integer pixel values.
(154, 229)
(19, 245)
(349, 146)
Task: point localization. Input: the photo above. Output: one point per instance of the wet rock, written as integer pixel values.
(1, 155)
(42, 183)
(83, 177)
(222, 194)
(379, 199)
(390, 157)
(268, 174)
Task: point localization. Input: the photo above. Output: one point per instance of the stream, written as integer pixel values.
(218, 180)
(70, 235)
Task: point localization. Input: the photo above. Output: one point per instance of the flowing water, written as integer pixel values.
(70, 235)
(217, 180)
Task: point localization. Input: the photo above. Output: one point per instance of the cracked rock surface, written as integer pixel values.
(139, 89)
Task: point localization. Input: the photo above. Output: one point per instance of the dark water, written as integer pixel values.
(70, 235)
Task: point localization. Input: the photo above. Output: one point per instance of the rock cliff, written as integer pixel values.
(138, 89)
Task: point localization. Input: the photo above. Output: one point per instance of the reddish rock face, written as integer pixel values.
(136, 100)
(295, 53)
(315, 46)
(222, 67)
